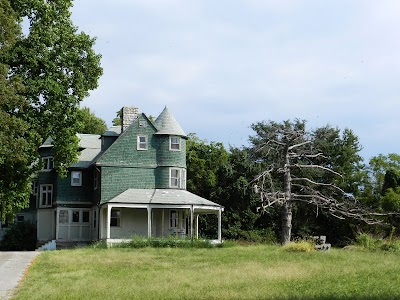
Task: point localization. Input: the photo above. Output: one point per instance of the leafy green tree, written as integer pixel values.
(58, 67)
(391, 180)
(378, 166)
(90, 123)
(117, 120)
(17, 140)
(43, 77)
(225, 177)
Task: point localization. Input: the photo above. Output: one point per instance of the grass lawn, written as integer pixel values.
(239, 272)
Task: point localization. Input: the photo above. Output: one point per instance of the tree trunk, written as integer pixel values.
(286, 222)
(287, 206)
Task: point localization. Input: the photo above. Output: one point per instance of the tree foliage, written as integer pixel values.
(58, 67)
(43, 77)
(89, 122)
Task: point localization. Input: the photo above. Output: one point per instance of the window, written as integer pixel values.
(63, 216)
(85, 217)
(175, 143)
(76, 178)
(115, 219)
(142, 142)
(177, 178)
(20, 218)
(48, 163)
(46, 195)
(75, 216)
(173, 218)
(34, 188)
(95, 179)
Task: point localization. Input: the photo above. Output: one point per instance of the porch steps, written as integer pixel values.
(49, 245)
(71, 245)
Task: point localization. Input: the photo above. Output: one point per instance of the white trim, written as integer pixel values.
(71, 202)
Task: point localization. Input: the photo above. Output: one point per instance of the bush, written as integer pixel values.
(259, 236)
(299, 246)
(20, 237)
(369, 242)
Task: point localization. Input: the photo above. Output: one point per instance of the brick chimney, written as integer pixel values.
(128, 115)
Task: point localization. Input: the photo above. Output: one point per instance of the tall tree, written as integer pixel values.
(43, 77)
(297, 171)
(17, 141)
(58, 67)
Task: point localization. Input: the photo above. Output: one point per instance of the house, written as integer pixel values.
(129, 181)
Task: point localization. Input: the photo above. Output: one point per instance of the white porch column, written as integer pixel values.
(197, 226)
(108, 221)
(162, 224)
(191, 221)
(149, 221)
(57, 221)
(100, 222)
(219, 225)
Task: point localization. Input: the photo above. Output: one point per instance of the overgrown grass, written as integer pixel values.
(171, 242)
(251, 272)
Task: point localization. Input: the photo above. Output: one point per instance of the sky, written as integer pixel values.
(220, 66)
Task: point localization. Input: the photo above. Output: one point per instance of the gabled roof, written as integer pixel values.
(162, 197)
(91, 148)
(167, 124)
(89, 145)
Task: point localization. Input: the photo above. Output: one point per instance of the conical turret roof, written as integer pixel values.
(167, 124)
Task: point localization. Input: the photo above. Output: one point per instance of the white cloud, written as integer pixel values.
(233, 63)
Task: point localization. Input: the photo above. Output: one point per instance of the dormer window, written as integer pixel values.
(48, 163)
(175, 143)
(142, 142)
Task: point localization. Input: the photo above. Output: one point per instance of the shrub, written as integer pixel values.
(20, 237)
(260, 236)
(369, 242)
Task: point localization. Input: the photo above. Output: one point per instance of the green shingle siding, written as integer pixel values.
(68, 193)
(167, 157)
(124, 150)
(116, 180)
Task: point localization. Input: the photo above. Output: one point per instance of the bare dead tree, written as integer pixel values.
(294, 154)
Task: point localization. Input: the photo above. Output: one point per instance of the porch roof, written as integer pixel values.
(162, 197)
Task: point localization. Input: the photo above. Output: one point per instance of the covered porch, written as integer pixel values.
(155, 213)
